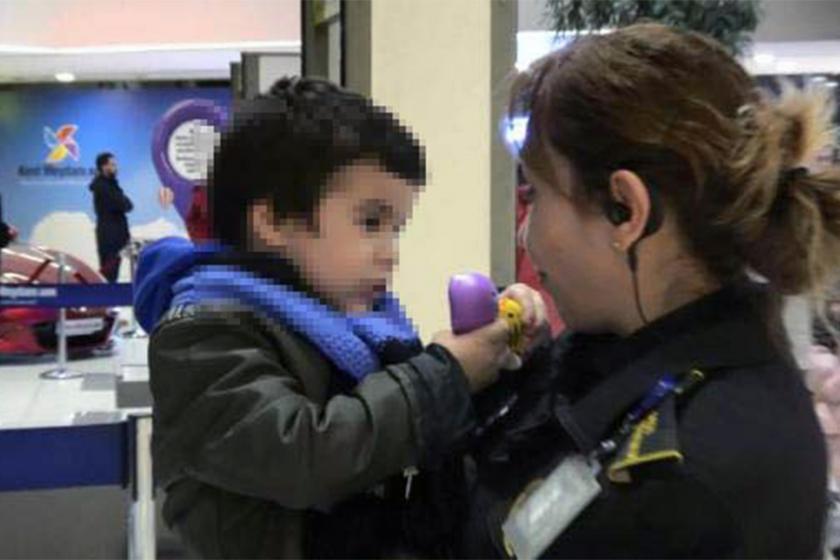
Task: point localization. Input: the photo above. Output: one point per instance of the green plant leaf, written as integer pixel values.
(731, 22)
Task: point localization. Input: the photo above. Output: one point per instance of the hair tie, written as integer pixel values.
(746, 118)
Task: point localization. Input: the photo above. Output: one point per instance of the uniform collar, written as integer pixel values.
(738, 326)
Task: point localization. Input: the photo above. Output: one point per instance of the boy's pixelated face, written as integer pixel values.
(348, 252)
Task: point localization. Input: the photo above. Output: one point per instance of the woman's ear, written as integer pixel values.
(630, 198)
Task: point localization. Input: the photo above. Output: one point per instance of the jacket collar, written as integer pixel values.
(738, 326)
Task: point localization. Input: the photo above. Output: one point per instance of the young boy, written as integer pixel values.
(288, 384)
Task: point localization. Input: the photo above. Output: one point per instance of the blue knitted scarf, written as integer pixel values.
(353, 342)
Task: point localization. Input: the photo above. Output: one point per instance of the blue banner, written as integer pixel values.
(66, 295)
(63, 457)
(51, 137)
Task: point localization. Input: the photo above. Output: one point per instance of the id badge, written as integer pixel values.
(542, 515)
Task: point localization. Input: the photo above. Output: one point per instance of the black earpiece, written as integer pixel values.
(617, 213)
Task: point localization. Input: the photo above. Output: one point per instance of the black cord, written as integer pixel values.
(632, 262)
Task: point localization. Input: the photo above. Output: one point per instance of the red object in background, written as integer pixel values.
(198, 217)
(32, 330)
(525, 271)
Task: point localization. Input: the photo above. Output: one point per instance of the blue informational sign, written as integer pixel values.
(66, 295)
(183, 144)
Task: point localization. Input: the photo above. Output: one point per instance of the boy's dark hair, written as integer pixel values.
(285, 146)
(102, 159)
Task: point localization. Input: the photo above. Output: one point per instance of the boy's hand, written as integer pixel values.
(481, 353)
(534, 314)
(485, 351)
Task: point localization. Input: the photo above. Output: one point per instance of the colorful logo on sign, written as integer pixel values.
(61, 143)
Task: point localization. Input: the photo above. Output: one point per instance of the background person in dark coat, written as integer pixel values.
(111, 206)
(8, 233)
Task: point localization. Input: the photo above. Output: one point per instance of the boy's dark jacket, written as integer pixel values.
(265, 449)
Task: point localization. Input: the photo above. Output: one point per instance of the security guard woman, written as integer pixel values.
(670, 209)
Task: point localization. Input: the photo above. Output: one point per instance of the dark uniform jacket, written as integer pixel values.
(737, 468)
(111, 205)
(265, 450)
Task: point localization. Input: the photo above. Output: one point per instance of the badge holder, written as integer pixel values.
(541, 516)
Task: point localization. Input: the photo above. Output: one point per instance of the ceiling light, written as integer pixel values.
(786, 66)
(764, 58)
(65, 77)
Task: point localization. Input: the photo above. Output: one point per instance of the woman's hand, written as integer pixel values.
(535, 322)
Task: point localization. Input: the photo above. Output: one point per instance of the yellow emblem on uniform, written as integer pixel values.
(653, 440)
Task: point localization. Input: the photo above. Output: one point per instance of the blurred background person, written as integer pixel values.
(111, 206)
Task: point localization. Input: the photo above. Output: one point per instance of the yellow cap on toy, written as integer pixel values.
(511, 312)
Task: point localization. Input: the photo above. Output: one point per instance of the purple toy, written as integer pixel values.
(472, 302)
(178, 149)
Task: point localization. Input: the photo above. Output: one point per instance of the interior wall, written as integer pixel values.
(436, 74)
